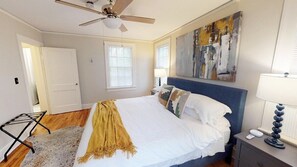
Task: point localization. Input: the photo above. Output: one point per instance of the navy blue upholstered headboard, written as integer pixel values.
(233, 97)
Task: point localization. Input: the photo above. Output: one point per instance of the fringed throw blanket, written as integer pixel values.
(109, 133)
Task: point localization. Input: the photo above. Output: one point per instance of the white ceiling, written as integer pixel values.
(48, 16)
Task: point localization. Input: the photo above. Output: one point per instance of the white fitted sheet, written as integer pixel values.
(161, 139)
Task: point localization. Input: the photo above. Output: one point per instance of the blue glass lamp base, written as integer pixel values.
(275, 142)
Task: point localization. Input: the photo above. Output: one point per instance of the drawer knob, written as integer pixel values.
(260, 164)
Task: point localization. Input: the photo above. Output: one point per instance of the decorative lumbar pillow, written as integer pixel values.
(177, 101)
(209, 110)
(164, 93)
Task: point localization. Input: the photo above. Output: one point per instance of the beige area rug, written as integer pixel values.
(54, 150)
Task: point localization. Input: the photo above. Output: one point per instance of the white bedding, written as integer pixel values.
(161, 139)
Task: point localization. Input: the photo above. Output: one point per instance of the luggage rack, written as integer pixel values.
(23, 119)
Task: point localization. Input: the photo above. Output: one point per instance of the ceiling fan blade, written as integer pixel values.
(77, 6)
(91, 22)
(123, 28)
(138, 19)
(120, 5)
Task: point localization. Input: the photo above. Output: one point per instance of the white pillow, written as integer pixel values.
(191, 112)
(221, 124)
(208, 109)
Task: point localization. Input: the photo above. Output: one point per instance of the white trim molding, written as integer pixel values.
(19, 20)
(87, 106)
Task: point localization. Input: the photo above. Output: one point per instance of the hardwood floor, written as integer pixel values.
(54, 122)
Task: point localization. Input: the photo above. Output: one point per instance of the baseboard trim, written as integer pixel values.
(87, 106)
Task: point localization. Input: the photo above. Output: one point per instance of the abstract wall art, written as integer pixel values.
(210, 52)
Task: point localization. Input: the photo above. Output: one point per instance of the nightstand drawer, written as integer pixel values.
(256, 153)
(251, 157)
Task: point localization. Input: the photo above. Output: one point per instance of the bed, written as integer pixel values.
(168, 140)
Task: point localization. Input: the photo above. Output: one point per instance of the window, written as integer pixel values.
(285, 60)
(119, 65)
(162, 58)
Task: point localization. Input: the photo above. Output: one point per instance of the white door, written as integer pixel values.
(62, 79)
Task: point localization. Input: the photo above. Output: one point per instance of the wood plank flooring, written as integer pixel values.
(53, 122)
(58, 121)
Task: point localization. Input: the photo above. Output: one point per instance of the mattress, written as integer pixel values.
(161, 139)
(213, 147)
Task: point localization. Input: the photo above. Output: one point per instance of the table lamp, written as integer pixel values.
(160, 72)
(281, 89)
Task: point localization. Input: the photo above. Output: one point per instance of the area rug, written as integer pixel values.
(54, 150)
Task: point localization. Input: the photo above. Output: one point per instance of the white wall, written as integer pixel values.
(13, 98)
(92, 74)
(260, 26)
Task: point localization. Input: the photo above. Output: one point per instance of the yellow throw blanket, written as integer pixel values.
(109, 133)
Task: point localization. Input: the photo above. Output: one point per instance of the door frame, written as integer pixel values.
(23, 39)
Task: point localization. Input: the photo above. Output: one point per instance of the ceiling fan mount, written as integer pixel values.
(107, 9)
(89, 3)
(112, 12)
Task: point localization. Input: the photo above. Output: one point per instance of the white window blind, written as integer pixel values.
(285, 60)
(119, 65)
(162, 58)
(289, 127)
(293, 65)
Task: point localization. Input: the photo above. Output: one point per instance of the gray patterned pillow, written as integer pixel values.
(164, 93)
(177, 101)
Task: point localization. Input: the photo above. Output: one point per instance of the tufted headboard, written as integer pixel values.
(233, 97)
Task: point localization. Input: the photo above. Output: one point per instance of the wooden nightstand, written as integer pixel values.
(256, 153)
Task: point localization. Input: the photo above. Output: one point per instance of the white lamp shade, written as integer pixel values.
(278, 88)
(112, 23)
(160, 72)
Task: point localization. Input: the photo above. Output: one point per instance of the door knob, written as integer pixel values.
(76, 83)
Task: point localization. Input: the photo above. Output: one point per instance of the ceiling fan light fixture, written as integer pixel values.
(112, 23)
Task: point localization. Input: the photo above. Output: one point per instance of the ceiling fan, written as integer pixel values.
(111, 11)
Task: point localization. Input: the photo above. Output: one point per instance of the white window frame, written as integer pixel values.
(120, 88)
(157, 46)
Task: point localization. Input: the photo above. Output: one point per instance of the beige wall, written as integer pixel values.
(92, 74)
(13, 98)
(258, 38)
(260, 25)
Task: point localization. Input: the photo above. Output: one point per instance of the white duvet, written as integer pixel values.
(161, 139)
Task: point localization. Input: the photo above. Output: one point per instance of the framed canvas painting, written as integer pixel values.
(210, 52)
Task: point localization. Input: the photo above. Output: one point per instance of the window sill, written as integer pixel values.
(284, 137)
(121, 89)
